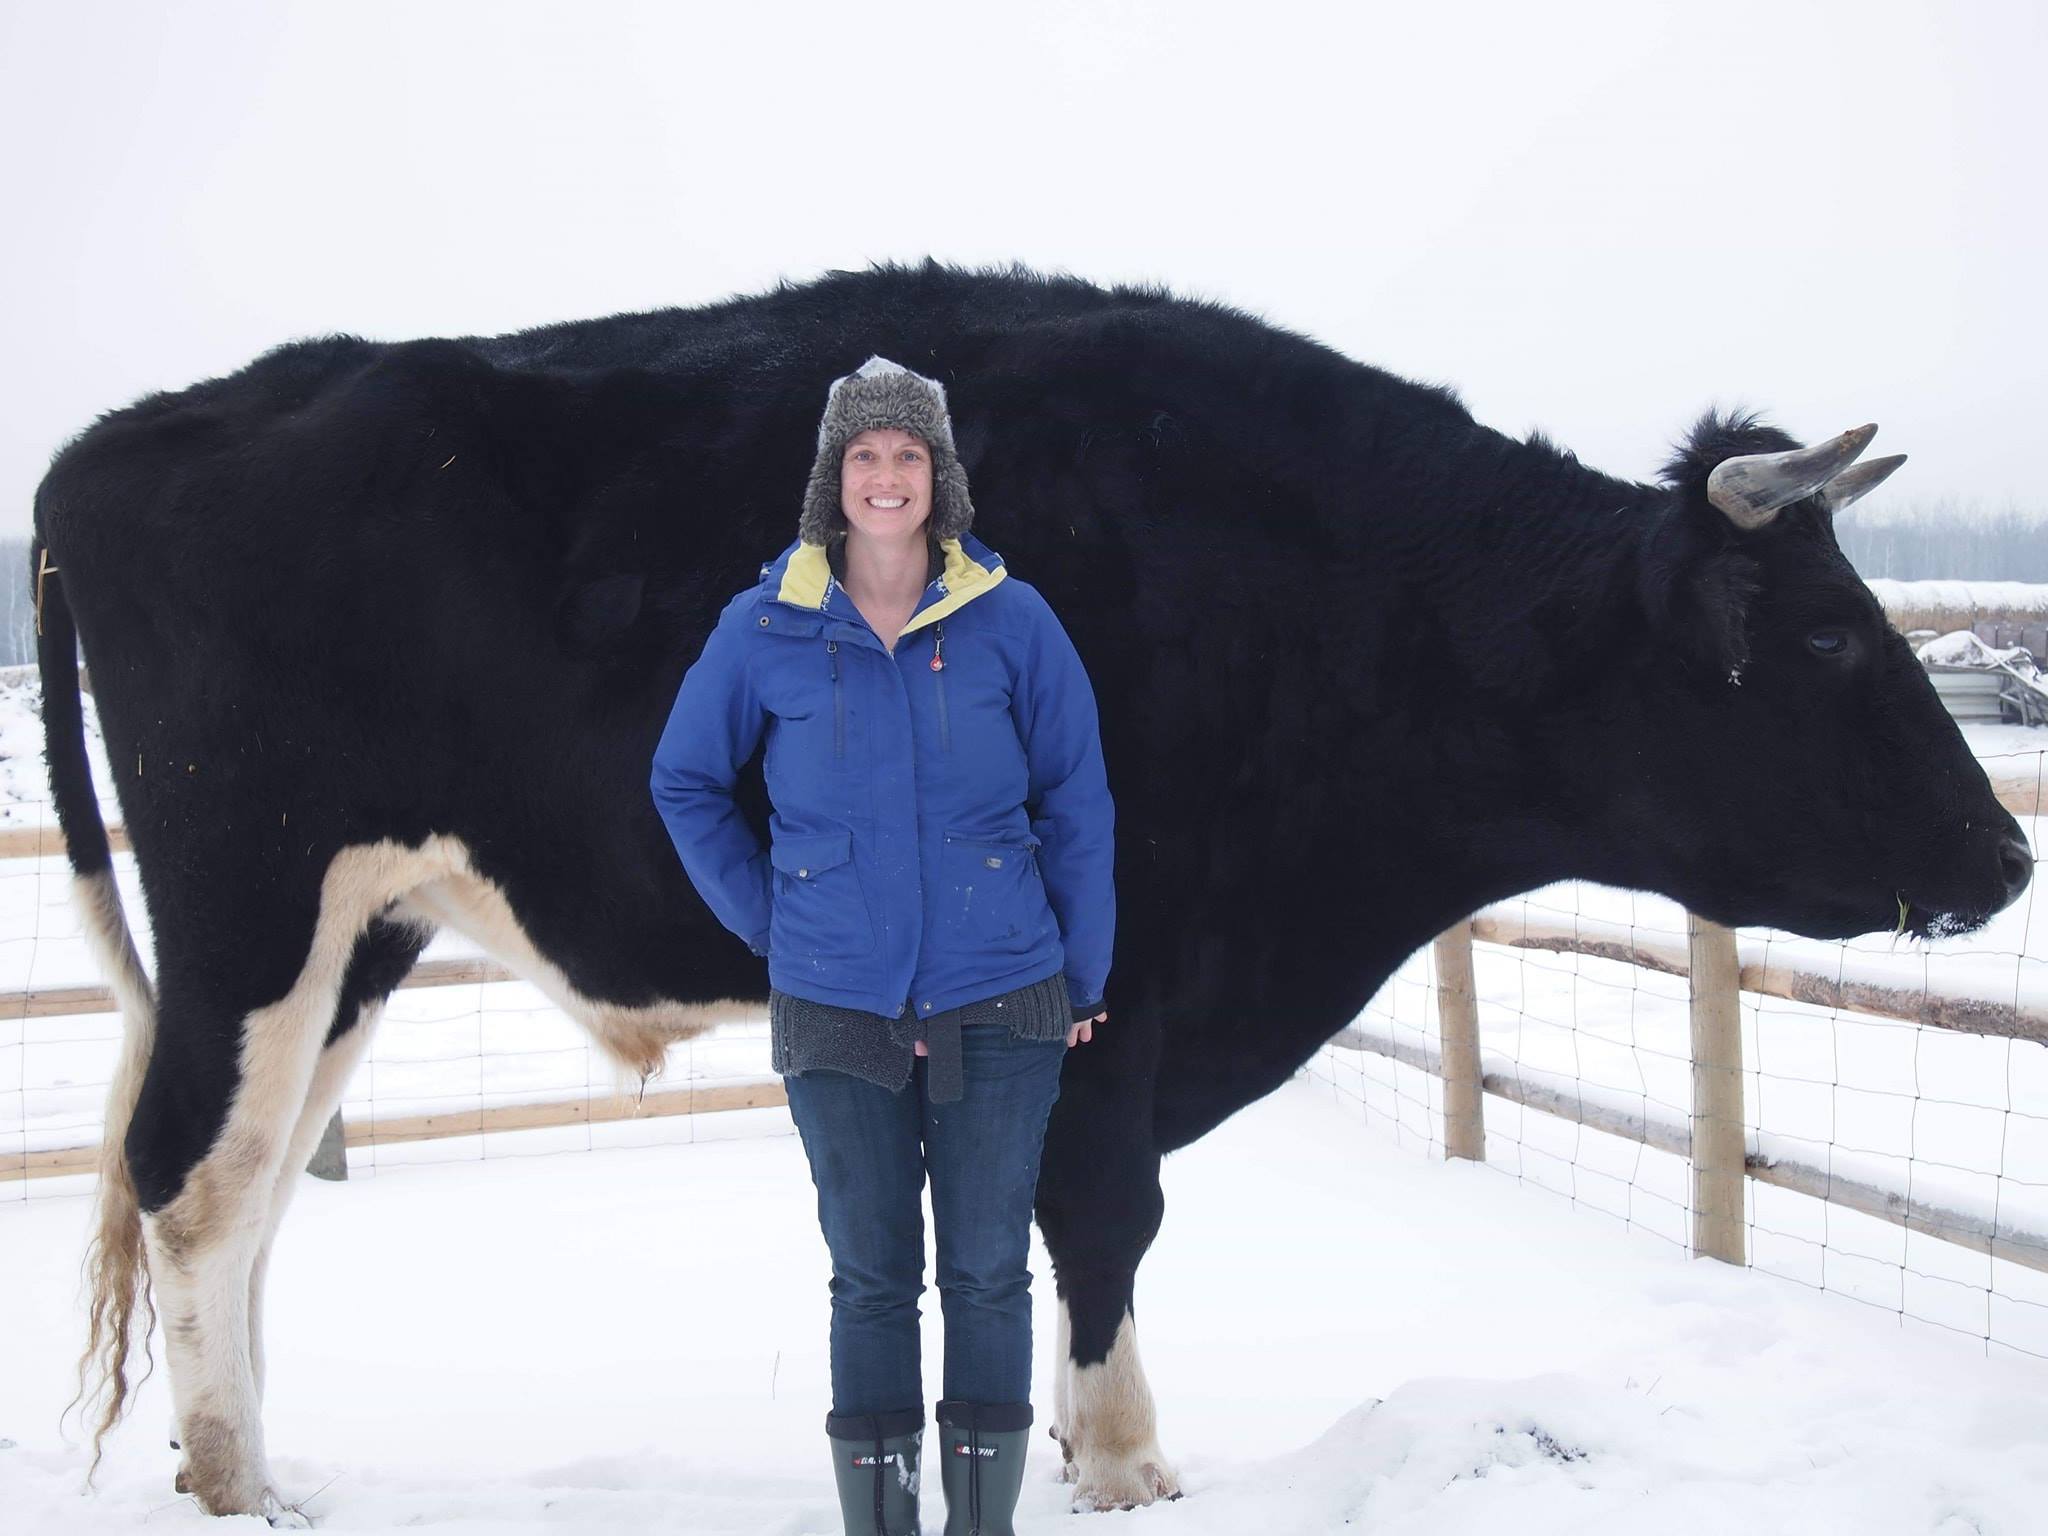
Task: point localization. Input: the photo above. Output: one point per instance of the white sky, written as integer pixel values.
(1596, 218)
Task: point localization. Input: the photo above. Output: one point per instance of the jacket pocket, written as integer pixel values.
(820, 912)
(991, 899)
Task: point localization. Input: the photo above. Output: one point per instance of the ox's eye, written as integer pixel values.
(1828, 642)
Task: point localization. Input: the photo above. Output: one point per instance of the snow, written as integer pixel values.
(635, 1340)
(24, 782)
(1544, 1367)
(1961, 648)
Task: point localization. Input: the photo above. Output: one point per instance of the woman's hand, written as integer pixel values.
(1085, 1030)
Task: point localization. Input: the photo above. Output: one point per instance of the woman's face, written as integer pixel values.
(885, 484)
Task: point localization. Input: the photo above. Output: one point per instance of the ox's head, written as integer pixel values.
(1820, 784)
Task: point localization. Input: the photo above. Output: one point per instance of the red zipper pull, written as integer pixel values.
(938, 647)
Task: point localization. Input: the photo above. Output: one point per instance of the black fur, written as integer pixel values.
(1364, 665)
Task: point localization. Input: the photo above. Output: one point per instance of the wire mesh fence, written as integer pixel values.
(456, 1069)
(1896, 1162)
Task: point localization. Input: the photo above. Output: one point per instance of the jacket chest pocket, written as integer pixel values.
(809, 702)
(820, 912)
(991, 897)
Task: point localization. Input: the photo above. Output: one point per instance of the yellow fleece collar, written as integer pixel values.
(808, 575)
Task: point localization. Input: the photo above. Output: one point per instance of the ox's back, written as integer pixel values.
(390, 561)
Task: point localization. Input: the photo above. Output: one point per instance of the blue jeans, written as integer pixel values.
(870, 1150)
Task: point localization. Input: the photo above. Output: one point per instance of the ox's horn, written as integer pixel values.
(1752, 487)
(1853, 482)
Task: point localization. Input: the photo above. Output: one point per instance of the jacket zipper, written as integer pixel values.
(939, 676)
(838, 702)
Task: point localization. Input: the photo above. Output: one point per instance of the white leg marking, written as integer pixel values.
(1113, 1431)
(1063, 1391)
(208, 1247)
(637, 1038)
(204, 1246)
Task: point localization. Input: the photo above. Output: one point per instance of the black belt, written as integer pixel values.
(946, 1078)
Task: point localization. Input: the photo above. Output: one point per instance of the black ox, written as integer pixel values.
(383, 634)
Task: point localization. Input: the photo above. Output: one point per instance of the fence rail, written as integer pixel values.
(1910, 1005)
(86, 999)
(1714, 1139)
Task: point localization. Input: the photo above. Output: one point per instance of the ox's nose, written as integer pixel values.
(2016, 863)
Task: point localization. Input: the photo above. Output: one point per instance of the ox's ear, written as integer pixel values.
(1697, 581)
(1696, 589)
(594, 612)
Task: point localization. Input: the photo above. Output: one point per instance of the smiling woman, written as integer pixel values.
(935, 900)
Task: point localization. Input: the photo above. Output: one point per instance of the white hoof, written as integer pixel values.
(1123, 1482)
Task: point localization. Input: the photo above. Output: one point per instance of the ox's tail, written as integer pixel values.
(117, 1269)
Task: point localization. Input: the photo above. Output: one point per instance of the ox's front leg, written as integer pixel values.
(1103, 1413)
(1099, 1205)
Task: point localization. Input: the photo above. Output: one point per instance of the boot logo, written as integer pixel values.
(964, 1449)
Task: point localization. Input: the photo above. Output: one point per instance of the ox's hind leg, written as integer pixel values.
(206, 1207)
(250, 1060)
(1099, 1205)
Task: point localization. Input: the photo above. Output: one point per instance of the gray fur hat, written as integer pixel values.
(880, 393)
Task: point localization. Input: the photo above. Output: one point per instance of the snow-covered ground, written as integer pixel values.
(634, 1340)
(1545, 1367)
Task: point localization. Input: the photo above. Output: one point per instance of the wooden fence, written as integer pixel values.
(655, 1103)
(1713, 1137)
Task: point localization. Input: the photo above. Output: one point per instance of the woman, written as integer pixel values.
(937, 910)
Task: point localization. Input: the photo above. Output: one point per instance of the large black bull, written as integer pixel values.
(383, 635)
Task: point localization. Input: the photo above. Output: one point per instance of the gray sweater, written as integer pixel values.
(803, 1035)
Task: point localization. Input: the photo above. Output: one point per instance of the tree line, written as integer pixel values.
(1945, 540)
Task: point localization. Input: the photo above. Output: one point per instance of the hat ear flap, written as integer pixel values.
(821, 515)
(952, 511)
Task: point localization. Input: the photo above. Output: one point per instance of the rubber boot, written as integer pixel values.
(874, 1459)
(981, 1467)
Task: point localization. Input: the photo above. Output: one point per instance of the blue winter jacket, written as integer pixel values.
(942, 827)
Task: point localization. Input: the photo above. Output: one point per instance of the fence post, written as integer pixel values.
(330, 1158)
(1457, 1010)
(1718, 1143)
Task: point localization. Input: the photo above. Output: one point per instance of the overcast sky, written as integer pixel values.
(1597, 219)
